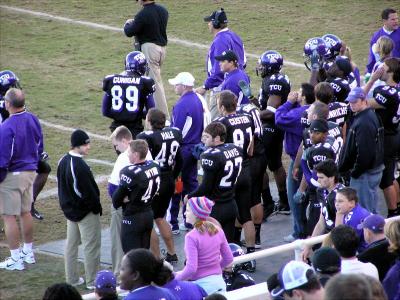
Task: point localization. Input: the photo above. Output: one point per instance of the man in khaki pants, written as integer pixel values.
(80, 202)
(150, 30)
(120, 138)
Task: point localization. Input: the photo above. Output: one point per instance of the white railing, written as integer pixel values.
(297, 246)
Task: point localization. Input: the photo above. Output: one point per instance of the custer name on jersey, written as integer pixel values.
(239, 120)
(231, 153)
(129, 80)
(151, 172)
(167, 135)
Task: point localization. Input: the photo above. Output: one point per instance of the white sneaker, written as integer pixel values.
(29, 258)
(11, 264)
(289, 239)
(79, 282)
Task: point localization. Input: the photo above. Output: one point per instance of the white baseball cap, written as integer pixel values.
(184, 78)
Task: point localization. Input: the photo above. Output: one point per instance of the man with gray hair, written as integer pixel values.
(21, 143)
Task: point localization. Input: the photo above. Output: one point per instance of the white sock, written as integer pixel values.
(15, 254)
(27, 247)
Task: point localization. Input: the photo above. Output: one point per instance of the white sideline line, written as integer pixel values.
(100, 162)
(54, 191)
(175, 40)
(70, 129)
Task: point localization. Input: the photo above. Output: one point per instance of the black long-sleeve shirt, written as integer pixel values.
(363, 149)
(78, 192)
(149, 25)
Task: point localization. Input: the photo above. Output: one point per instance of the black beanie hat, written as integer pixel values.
(79, 138)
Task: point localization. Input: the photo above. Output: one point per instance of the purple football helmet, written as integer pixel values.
(317, 44)
(270, 62)
(312, 46)
(236, 249)
(8, 79)
(136, 62)
(334, 44)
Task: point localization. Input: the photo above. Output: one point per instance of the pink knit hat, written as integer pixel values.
(201, 207)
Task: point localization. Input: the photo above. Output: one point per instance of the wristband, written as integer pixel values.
(271, 108)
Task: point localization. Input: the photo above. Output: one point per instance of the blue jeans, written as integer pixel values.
(367, 188)
(298, 209)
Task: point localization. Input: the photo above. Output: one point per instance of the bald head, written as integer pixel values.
(15, 97)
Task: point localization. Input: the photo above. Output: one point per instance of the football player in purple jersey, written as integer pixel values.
(128, 95)
(8, 79)
(274, 90)
(386, 103)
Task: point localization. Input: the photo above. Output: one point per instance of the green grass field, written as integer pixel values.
(61, 66)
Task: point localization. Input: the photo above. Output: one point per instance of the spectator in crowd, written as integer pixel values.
(328, 178)
(21, 143)
(390, 29)
(61, 291)
(228, 62)
(377, 251)
(327, 263)
(384, 47)
(181, 289)
(362, 154)
(138, 185)
(346, 204)
(139, 268)
(164, 145)
(386, 103)
(206, 248)
(391, 283)
(106, 286)
(224, 39)
(121, 137)
(288, 119)
(378, 292)
(218, 182)
(191, 116)
(79, 198)
(346, 241)
(150, 30)
(297, 280)
(348, 286)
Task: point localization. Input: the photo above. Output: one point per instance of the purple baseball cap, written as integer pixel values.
(355, 94)
(106, 281)
(375, 223)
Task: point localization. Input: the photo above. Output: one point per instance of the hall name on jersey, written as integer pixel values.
(168, 135)
(129, 80)
(231, 153)
(151, 172)
(239, 120)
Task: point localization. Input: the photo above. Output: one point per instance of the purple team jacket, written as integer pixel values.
(21, 143)
(187, 115)
(231, 82)
(223, 40)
